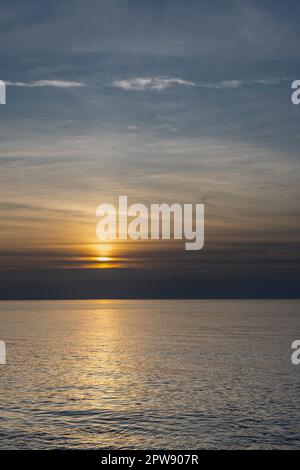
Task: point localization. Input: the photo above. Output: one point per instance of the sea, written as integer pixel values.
(150, 374)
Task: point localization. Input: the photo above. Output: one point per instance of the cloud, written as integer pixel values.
(163, 83)
(232, 84)
(150, 83)
(154, 83)
(46, 83)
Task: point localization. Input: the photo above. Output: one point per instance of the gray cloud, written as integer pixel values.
(238, 30)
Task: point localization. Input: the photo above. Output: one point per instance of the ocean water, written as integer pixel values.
(149, 374)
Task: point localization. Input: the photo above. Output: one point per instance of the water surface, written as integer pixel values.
(149, 374)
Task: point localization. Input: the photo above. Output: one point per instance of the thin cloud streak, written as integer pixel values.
(155, 83)
(164, 83)
(231, 84)
(151, 83)
(46, 83)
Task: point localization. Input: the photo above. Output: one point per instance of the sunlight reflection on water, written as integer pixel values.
(149, 374)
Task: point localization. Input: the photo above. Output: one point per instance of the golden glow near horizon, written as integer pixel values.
(104, 258)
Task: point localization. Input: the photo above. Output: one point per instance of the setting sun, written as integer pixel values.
(104, 258)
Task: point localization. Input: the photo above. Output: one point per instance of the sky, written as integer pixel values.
(163, 101)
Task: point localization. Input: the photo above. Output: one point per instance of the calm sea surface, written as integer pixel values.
(149, 374)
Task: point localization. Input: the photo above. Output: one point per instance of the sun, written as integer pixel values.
(102, 259)
(104, 253)
(105, 256)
